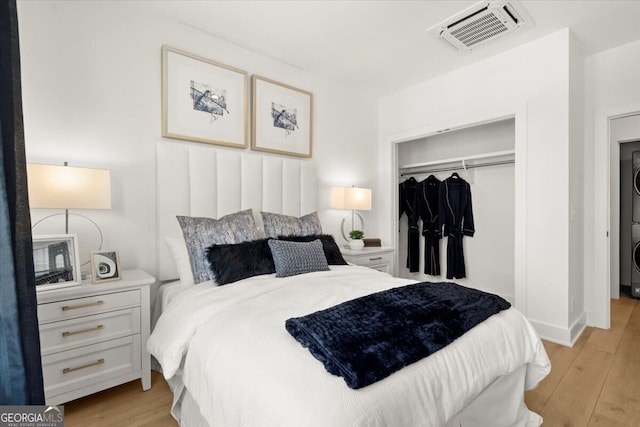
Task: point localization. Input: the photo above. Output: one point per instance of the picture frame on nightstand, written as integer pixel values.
(56, 261)
(105, 266)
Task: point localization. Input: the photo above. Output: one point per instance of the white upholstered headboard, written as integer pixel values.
(208, 181)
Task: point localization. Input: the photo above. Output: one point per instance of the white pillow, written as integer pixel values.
(181, 257)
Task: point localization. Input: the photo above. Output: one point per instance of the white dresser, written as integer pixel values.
(378, 258)
(94, 337)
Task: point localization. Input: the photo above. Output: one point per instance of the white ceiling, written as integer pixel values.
(382, 46)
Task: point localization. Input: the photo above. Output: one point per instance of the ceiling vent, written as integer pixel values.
(481, 23)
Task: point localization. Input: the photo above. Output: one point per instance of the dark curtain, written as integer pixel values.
(20, 365)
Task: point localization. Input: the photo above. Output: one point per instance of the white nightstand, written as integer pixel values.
(378, 258)
(94, 337)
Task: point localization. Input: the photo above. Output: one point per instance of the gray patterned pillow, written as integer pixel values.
(285, 225)
(200, 233)
(292, 258)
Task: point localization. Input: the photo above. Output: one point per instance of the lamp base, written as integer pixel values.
(345, 235)
(356, 244)
(90, 231)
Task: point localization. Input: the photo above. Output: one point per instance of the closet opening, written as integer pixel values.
(625, 207)
(484, 156)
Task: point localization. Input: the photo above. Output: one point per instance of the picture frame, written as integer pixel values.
(56, 261)
(282, 118)
(105, 266)
(203, 100)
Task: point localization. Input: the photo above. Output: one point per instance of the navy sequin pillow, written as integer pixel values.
(292, 258)
(329, 245)
(233, 262)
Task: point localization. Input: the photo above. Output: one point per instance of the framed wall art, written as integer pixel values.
(203, 100)
(281, 118)
(56, 261)
(105, 266)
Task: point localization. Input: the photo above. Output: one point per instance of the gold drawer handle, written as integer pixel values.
(74, 307)
(378, 258)
(96, 363)
(82, 331)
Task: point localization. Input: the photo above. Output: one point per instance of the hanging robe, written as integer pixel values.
(456, 220)
(407, 193)
(427, 194)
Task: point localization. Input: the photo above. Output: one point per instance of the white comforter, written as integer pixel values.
(244, 369)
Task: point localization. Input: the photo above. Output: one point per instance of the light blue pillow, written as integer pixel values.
(200, 233)
(292, 258)
(285, 225)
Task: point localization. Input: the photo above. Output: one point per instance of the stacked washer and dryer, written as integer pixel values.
(635, 227)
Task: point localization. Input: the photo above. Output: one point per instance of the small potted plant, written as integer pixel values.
(356, 242)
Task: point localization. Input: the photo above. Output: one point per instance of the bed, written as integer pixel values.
(229, 360)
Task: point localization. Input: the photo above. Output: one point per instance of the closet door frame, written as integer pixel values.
(517, 112)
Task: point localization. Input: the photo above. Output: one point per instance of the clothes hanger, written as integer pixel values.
(455, 175)
(432, 180)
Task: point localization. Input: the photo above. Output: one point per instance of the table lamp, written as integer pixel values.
(354, 199)
(66, 187)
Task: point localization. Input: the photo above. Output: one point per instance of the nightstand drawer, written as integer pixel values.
(77, 307)
(82, 367)
(367, 260)
(82, 331)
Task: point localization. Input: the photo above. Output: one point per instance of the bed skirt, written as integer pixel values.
(499, 405)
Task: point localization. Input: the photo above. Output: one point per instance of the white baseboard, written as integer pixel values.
(561, 335)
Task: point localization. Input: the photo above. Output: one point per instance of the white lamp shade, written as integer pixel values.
(66, 187)
(352, 198)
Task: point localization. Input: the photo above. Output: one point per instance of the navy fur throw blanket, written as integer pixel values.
(369, 338)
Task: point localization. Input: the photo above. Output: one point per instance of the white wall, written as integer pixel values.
(535, 76)
(577, 316)
(611, 88)
(91, 80)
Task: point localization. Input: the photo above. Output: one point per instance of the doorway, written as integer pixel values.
(624, 140)
(629, 218)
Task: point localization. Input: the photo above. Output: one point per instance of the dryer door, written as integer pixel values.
(636, 257)
(635, 197)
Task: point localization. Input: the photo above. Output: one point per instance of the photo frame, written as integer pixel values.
(203, 100)
(281, 118)
(105, 266)
(56, 261)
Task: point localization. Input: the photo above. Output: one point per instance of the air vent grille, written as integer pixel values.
(479, 30)
(481, 23)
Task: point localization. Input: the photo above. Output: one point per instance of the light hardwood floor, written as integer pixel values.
(125, 405)
(597, 382)
(594, 384)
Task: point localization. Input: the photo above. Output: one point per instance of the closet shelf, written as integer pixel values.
(505, 156)
(459, 163)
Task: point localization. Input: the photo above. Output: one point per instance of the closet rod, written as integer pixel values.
(455, 168)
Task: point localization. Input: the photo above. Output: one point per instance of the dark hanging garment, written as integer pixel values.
(456, 220)
(408, 205)
(20, 362)
(427, 194)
